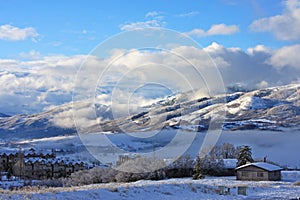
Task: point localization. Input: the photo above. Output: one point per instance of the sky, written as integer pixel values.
(68, 27)
(43, 43)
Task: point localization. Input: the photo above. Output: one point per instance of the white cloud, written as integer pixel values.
(197, 32)
(285, 26)
(33, 85)
(216, 29)
(152, 14)
(258, 48)
(252, 67)
(141, 25)
(262, 84)
(188, 14)
(287, 56)
(222, 29)
(30, 86)
(8, 32)
(154, 19)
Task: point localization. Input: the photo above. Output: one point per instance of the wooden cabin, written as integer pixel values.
(258, 171)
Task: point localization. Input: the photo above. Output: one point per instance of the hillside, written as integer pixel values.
(273, 108)
(266, 109)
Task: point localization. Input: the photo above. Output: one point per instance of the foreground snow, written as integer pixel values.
(186, 188)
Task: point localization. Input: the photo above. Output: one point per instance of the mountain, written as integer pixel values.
(266, 109)
(273, 108)
(53, 122)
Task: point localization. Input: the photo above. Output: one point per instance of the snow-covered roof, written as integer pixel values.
(52, 161)
(230, 163)
(262, 165)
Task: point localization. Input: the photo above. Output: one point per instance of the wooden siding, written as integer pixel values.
(257, 174)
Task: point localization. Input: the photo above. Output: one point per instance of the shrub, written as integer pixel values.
(95, 175)
(141, 168)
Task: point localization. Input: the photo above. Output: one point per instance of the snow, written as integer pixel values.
(186, 188)
(246, 102)
(262, 165)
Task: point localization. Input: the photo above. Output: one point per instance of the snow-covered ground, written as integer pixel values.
(208, 188)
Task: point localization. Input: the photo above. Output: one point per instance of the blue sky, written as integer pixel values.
(76, 27)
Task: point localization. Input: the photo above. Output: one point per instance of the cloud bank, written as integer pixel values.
(43, 81)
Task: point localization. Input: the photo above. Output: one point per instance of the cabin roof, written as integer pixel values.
(262, 165)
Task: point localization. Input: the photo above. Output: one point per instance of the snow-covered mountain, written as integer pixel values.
(53, 122)
(273, 108)
(266, 109)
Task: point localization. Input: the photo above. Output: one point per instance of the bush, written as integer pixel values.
(141, 168)
(95, 175)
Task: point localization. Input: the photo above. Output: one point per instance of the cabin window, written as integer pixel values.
(245, 174)
(260, 174)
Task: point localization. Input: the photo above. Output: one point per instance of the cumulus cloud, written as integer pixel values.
(216, 29)
(8, 32)
(287, 56)
(253, 68)
(36, 84)
(258, 49)
(285, 26)
(30, 86)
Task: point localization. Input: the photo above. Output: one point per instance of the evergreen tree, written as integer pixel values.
(9, 173)
(198, 169)
(244, 156)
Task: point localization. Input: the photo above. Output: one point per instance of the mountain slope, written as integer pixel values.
(54, 122)
(266, 109)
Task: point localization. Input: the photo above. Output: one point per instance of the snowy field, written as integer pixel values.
(208, 188)
(281, 147)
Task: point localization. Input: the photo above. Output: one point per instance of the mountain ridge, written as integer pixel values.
(273, 108)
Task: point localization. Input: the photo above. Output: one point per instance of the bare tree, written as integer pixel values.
(228, 151)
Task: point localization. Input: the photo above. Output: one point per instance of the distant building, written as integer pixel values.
(259, 171)
(42, 165)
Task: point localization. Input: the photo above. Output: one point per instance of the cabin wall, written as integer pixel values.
(257, 174)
